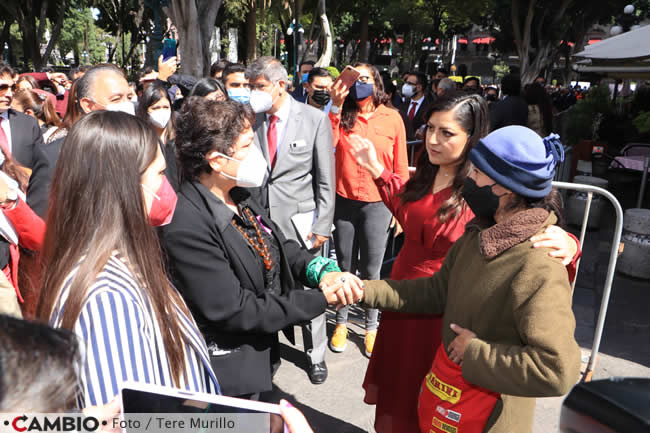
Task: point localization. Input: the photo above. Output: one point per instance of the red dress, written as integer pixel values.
(406, 343)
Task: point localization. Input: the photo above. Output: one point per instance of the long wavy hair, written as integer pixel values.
(96, 208)
(350, 109)
(471, 112)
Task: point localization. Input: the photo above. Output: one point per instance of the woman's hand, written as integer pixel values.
(341, 288)
(564, 246)
(457, 347)
(167, 68)
(294, 419)
(364, 152)
(108, 413)
(338, 93)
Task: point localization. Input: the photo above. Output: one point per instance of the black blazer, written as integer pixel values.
(25, 137)
(513, 110)
(218, 275)
(419, 120)
(38, 190)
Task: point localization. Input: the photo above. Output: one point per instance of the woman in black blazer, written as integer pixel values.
(240, 276)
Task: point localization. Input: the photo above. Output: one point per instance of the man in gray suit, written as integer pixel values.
(296, 140)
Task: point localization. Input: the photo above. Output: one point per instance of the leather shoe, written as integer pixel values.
(317, 373)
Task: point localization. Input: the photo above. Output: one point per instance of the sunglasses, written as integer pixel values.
(5, 87)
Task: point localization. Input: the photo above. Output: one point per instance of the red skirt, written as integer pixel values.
(404, 350)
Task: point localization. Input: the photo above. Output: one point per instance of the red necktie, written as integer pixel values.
(272, 139)
(4, 143)
(412, 110)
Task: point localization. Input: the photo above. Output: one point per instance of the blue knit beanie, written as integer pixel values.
(517, 158)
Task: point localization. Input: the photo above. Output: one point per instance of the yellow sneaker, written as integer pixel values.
(370, 342)
(339, 340)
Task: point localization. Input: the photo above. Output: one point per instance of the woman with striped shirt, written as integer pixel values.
(104, 277)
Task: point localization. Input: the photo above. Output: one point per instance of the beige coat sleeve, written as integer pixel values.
(426, 295)
(547, 363)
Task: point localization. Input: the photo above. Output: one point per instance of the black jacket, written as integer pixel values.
(513, 110)
(220, 278)
(413, 125)
(25, 137)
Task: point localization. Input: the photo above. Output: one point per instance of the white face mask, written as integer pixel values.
(408, 90)
(252, 169)
(261, 101)
(125, 107)
(160, 117)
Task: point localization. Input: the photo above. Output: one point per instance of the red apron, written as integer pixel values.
(450, 404)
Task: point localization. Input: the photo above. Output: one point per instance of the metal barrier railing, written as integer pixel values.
(613, 257)
(411, 145)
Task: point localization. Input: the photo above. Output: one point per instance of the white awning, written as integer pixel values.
(634, 44)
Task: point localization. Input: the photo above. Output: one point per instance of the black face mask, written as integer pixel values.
(490, 97)
(481, 200)
(321, 97)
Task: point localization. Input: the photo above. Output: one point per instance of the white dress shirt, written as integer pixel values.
(281, 123)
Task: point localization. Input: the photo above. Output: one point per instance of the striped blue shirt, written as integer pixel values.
(120, 340)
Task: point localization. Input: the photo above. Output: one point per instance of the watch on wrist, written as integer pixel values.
(334, 109)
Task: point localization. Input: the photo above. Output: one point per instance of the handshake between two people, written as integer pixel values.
(341, 288)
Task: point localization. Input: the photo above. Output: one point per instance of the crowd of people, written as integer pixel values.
(179, 223)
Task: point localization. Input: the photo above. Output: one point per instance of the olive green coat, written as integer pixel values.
(516, 298)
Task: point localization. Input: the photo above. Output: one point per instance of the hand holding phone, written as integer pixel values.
(348, 77)
(169, 49)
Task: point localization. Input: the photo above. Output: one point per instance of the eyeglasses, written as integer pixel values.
(5, 87)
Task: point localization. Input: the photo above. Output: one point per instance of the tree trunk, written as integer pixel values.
(325, 58)
(56, 30)
(251, 31)
(363, 39)
(194, 46)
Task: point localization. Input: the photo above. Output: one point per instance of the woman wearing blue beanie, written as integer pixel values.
(507, 321)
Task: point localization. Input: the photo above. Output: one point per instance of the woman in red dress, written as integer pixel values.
(433, 215)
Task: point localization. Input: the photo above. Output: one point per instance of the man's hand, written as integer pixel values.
(167, 68)
(318, 240)
(341, 288)
(457, 347)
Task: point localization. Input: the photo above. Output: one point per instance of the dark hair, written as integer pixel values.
(38, 367)
(422, 79)
(144, 71)
(40, 104)
(350, 108)
(443, 70)
(78, 70)
(205, 126)
(318, 72)
(5, 69)
(389, 87)
(154, 93)
(434, 82)
(96, 189)
(468, 79)
(32, 82)
(552, 202)
(218, 66)
(535, 94)
(232, 68)
(207, 85)
(73, 112)
(511, 85)
(471, 112)
(306, 62)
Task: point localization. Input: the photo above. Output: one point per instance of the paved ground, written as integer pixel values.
(337, 405)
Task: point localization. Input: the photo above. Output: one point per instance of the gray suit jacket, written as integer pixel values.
(303, 178)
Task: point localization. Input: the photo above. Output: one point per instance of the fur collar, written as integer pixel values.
(494, 239)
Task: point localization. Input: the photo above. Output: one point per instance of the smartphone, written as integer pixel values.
(349, 76)
(169, 49)
(194, 412)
